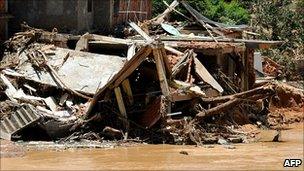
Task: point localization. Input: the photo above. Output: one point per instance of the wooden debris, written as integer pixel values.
(122, 107)
(23, 117)
(51, 103)
(141, 32)
(161, 18)
(161, 71)
(202, 72)
(83, 43)
(154, 85)
(127, 89)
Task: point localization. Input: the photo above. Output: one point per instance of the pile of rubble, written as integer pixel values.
(158, 85)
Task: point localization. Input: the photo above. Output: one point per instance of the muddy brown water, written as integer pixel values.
(254, 156)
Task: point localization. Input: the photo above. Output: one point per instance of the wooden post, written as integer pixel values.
(111, 11)
(220, 61)
(244, 73)
(161, 71)
(250, 67)
(121, 107)
(231, 68)
(127, 89)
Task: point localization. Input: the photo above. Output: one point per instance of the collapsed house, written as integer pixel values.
(169, 87)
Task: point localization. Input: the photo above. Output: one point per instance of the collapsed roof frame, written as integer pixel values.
(158, 52)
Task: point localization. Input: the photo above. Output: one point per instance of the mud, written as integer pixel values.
(263, 155)
(10, 149)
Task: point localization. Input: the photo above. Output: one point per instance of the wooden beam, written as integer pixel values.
(161, 71)
(250, 66)
(116, 80)
(182, 63)
(231, 67)
(166, 62)
(254, 44)
(121, 107)
(127, 89)
(134, 63)
(161, 17)
(172, 50)
(244, 72)
(141, 32)
(110, 39)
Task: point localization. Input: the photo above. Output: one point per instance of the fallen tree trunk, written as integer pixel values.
(250, 94)
(218, 109)
(231, 101)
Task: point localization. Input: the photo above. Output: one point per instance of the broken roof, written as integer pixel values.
(81, 71)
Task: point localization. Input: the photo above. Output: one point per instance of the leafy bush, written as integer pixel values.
(281, 20)
(218, 10)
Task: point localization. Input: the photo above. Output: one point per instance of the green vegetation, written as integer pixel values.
(218, 10)
(281, 20)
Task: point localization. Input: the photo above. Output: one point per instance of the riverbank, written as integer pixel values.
(261, 155)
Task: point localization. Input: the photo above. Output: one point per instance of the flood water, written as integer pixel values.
(263, 155)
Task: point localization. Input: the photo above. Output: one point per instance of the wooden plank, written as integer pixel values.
(83, 43)
(129, 67)
(243, 74)
(110, 39)
(203, 73)
(183, 62)
(22, 117)
(121, 106)
(134, 63)
(161, 71)
(27, 114)
(172, 50)
(20, 125)
(51, 103)
(111, 13)
(133, 12)
(131, 51)
(166, 62)
(161, 18)
(255, 44)
(247, 61)
(11, 124)
(127, 89)
(141, 32)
